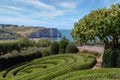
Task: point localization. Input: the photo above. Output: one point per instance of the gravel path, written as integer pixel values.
(99, 49)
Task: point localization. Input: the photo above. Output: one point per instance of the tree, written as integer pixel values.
(103, 24)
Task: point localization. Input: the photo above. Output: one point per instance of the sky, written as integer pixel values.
(61, 14)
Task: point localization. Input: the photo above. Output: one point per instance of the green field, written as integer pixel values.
(48, 68)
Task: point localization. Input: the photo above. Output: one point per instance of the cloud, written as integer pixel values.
(11, 7)
(69, 4)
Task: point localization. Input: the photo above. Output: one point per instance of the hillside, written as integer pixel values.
(8, 35)
(20, 30)
(15, 31)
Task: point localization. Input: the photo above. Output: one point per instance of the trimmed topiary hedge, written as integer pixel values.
(96, 74)
(54, 48)
(47, 68)
(71, 48)
(63, 44)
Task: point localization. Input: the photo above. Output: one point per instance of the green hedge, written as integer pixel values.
(96, 74)
(54, 48)
(63, 44)
(43, 43)
(71, 48)
(10, 45)
(16, 57)
(47, 68)
(111, 58)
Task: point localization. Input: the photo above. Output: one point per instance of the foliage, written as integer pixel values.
(71, 48)
(92, 74)
(63, 44)
(45, 52)
(54, 48)
(110, 58)
(118, 58)
(47, 68)
(10, 45)
(90, 52)
(43, 43)
(103, 24)
(15, 57)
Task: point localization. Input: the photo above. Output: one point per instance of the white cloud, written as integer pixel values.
(43, 9)
(71, 5)
(11, 7)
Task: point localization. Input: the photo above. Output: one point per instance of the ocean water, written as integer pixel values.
(66, 33)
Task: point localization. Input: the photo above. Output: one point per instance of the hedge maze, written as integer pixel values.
(96, 74)
(48, 68)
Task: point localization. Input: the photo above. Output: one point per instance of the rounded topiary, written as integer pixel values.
(54, 48)
(43, 43)
(71, 48)
(63, 44)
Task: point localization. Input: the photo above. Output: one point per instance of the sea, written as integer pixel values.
(66, 33)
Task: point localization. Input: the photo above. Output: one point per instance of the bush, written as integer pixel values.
(71, 48)
(43, 43)
(110, 58)
(45, 52)
(90, 52)
(16, 57)
(118, 58)
(10, 45)
(63, 44)
(54, 48)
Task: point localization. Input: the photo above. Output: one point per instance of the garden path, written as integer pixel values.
(99, 49)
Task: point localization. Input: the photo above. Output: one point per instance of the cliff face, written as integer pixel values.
(8, 31)
(46, 32)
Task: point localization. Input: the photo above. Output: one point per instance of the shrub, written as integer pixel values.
(54, 48)
(10, 45)
(15, 57)
(90, 52)
(43, 43)
(110, 58)
(45, 52)
(118, 58)
(63, 44)
(71, 48)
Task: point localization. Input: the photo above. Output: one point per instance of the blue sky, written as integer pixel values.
(48, 13)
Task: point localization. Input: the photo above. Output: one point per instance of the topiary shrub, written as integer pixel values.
(71, 48)
(43, 43)
(54, 48)
(63, 44)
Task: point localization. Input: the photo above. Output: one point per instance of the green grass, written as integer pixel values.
(48, 68)
(96, 74)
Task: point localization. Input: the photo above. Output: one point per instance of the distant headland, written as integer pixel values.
(10, 31)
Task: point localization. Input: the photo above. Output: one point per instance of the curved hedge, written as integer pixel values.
(96, 74)
(49, 67)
